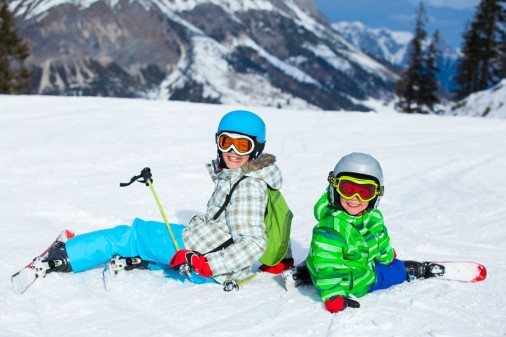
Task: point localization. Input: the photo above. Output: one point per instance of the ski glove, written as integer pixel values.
(301, 275)
(395, 256)
(339, 303)
(285, 264)
(193, 260)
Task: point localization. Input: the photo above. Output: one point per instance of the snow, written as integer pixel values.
(331, 57)
(485, 103)
(284, 67)
(210, 68)
(40, 7)
(392, 44)
(63, 158)
(177, 5)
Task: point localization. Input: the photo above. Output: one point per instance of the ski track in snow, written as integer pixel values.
(62, 160)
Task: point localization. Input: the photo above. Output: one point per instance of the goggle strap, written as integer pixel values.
(381, 190)
(331, 178)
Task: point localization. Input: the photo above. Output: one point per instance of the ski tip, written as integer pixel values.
(482, 274)
(69, 234)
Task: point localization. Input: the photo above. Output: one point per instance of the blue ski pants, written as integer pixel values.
(148, 239)
(387, 276)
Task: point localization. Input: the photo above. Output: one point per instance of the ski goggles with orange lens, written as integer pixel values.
(241, 144)
(350, 187)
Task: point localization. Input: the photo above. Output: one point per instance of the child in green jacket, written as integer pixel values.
(350, 253)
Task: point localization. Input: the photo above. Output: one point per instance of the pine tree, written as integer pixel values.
(502, 56)
(14, 77)
(429, 82)
(418, 84)
(482, 50)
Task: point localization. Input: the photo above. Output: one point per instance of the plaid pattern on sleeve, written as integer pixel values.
(243, 219)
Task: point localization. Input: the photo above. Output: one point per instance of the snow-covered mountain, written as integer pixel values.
(382, 43)
(254, 52)
(394, 47)
(486, 103)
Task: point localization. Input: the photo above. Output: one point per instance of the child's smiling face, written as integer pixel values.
(233, 160)
(353, 206)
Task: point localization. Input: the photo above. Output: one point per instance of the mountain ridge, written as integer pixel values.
(267, 52)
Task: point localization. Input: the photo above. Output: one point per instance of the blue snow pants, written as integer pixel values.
(148, 239)
(387, 276)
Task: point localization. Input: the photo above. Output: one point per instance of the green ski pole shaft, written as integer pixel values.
(146, 179)
(163, 215)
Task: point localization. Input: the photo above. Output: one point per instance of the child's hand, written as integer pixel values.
(339, 303)
(194, 262)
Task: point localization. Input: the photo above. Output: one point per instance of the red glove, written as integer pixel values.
(339, 303)
(395, 255)
(195, 262)
(278, 268)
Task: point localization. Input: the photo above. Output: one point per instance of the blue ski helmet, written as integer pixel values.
(246, 123)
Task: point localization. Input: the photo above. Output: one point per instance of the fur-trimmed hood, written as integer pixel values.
(259, 163)
(263, 168)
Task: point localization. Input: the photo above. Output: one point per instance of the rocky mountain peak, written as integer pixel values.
(252, 52)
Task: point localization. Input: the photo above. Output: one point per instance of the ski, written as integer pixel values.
(461, 271)
(38, 268)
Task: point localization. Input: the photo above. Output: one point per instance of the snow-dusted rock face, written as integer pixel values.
(254, 52)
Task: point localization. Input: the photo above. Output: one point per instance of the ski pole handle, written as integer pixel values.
(145, 177)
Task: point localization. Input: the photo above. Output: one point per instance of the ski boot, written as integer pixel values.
(57, 259)
(416, 270)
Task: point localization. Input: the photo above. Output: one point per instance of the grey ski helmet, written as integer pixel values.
(359, 165)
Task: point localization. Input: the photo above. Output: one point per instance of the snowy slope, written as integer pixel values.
(62, 160)
(486, 103)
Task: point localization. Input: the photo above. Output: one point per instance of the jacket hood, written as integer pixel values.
(263, 168)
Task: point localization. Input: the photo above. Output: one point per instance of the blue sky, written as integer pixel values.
(448, 16)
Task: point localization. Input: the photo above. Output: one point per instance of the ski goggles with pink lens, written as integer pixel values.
(241, 144)
(349, 187)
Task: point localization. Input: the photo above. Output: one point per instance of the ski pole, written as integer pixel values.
(146, 178)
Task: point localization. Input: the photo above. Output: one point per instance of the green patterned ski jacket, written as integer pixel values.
(344, 248)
